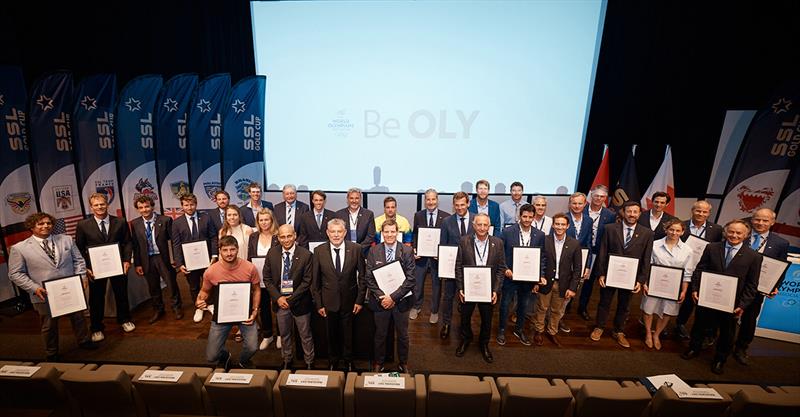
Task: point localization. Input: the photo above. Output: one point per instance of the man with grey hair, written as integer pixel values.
(430, 217)
(289, 210)
(600, 216)
(541, 221)
(359, 221)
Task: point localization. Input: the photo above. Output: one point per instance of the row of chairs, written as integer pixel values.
(72, 389)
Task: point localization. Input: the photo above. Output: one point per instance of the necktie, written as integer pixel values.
(463, 227)
(103, 229)
(628, 236)
(222, 217)
(195, 232)
(728, 255)
(338, 261)
(49, 250)
(756, 242)
(430, 220)
(148, 231)
(516, 212)
(389, 254)
(287, 263)
(289, 215)
(319, 220)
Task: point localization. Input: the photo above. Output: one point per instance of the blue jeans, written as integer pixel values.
(522, 290)
(219, 333)
(420, 270)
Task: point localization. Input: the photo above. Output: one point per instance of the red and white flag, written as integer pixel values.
(663, 181)
(602, 176)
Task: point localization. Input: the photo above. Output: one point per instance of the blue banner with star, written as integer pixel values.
(51, 147)
(172, 114)
(205, 138)
(243, 138)
(93, 139)
(135, 129)
(16, 183)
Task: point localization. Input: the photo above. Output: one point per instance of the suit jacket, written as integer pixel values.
(181, 233)
(247, 213)
(280, 213)
(308, 230)
(713, 232)
(607, 216)
(495, 258)
(87, 234)
(300, 273)
(585, 238)
(162, 227)
(338, 291)
(252, 244)
(365, 226)
(778, 248)
(640, 246)
(570, 268)
(644, 220)
(29, 266)
(377, 258)
(451, 230)
(494, 214)
(213, 214)
(511, 238)
(421, 220)
(745, 265)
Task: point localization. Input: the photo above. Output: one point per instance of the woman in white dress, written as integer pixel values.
(265, 236)
(234, 227)
(667, 251)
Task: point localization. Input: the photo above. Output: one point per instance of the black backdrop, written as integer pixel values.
(668, 70)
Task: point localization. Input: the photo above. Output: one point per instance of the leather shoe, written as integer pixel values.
(584, 315)
(403, 368)
(690, 354)
(348, 366)
(487, 354)
(333, 365)
(178, 314)
(286, 366)
(538, 339)
(462, 348)
(554, 338)
(716, 367)
(741, 357)
(156, 316)
(378, 367)
(445, 333)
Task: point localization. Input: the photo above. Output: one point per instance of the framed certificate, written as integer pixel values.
(106, 261)
(622, 271)
(447, 261)
(697, 245)
(428, 241)
(527, 261)
(665, 282)
(65, 295)
(478, 284)
(313, 245)
(195, 255)
(234, 301)
(389, 277)
(717, 291)
(771, 271)
(258, 261)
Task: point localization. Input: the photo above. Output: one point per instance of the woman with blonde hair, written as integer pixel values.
(265, 236)
(234, 227)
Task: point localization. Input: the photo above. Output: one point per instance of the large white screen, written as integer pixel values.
(406, 95)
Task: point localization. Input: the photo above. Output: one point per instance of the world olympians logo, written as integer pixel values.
(19, 203)
(241, 188)
(341, 125)
(750, 200)
(63, 197)
(211, 188)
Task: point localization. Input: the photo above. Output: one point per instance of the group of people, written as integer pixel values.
(317, 261)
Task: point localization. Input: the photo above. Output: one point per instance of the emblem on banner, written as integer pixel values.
(238, 106)
(782, 105)
(2, 101)
(204, 105)
(179, 188)
(211, 187)
(88, 103)
(46, 103)
(64, 198)
(241, 188)
(750, 200)
(143, 187)
(105, 187)
(133, 104)
(171, 105)
(19, 203)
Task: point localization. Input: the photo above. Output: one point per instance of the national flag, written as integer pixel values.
(663, 181)
(628, 184)
(602, 177)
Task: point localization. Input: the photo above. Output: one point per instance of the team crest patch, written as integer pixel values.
(750, 200)
(241, 188)
(143, 187)
(63, 197)
(212, 187)
(179, 188)
(106, 188)
(19, 203)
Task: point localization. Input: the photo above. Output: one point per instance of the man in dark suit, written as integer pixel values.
(600, 216)
(767, 244)
(193, 226)
(518, 234)
(289, 210)
(390, 306)
(453, 229)
(698, 226)
(251, 208)
(479, 249)
(103, 229)
(313, 224)
(655, 218)
(287, 279)
(631, 239)
(150, 241)
(337, 292)
(430, 217)
(580, 226)
(217, 215)
(563, 272)
(359, 221)
(732, 257)
(482, 204)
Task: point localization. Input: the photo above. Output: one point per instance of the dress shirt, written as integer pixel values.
(483, 209)
(291, 208)
(698, 231)
(762, 244)
(50, 242)
(481, 251)
(679, 257)
(509, 211)
(578, 224)
(559, 244)
(283, 257)
(595, 216)
(654, 221)
(341, 254)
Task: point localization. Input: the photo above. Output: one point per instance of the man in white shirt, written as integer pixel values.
(251, 208)
(509, 209)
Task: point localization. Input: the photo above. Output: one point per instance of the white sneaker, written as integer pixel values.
(278, 343)
(198, 315)
(413, 314)
(265, 343)
(434, 318)
(128, 327)
(98, 336)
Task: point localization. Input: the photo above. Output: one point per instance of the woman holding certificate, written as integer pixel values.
(259, 242)
(672, 252)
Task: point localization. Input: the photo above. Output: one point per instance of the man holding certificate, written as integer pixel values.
(390, 280)
(43, 257)
(629, 245)
(734, 259)
(479, 286)
(231, 304)
(105, 243)
(430, 220)
(314, 223)
(454, 228)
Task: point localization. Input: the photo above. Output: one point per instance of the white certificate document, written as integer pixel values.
(312, 245)
(106, 261)
(526, 266)
(584, 258)
(697, 245)
(258, 261)
(717, 291)
(478, 284)
(65, 295)
(771, 271)
(428, 241)
(665, 282)
(447, 261)
(195, 255)
(233, 305)
(390, 277)
(622, 271)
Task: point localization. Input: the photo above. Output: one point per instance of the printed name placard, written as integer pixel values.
(304, 380)
(701, 393)
(19, 371)
(161, 376)
(223, 378)
(385, 382)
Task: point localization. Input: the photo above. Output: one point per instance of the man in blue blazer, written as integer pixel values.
(289, 210)
(482, 204)
(601, 216)
(359, 221)
(251, 208)
(453, 229)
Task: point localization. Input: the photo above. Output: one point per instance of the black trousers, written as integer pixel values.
(340, 335)
(156, 270)
(97, 301)
(747, 329)
(265, 311)
(687, 308)
(705, 320)
(195, 279)
(485, 310)
(383, 319)
(604, 308)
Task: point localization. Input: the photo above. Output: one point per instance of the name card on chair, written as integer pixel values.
(223, 378)
(19, 371)
(698, 393)
(384, 381)
(161, 376)
(306, 380)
